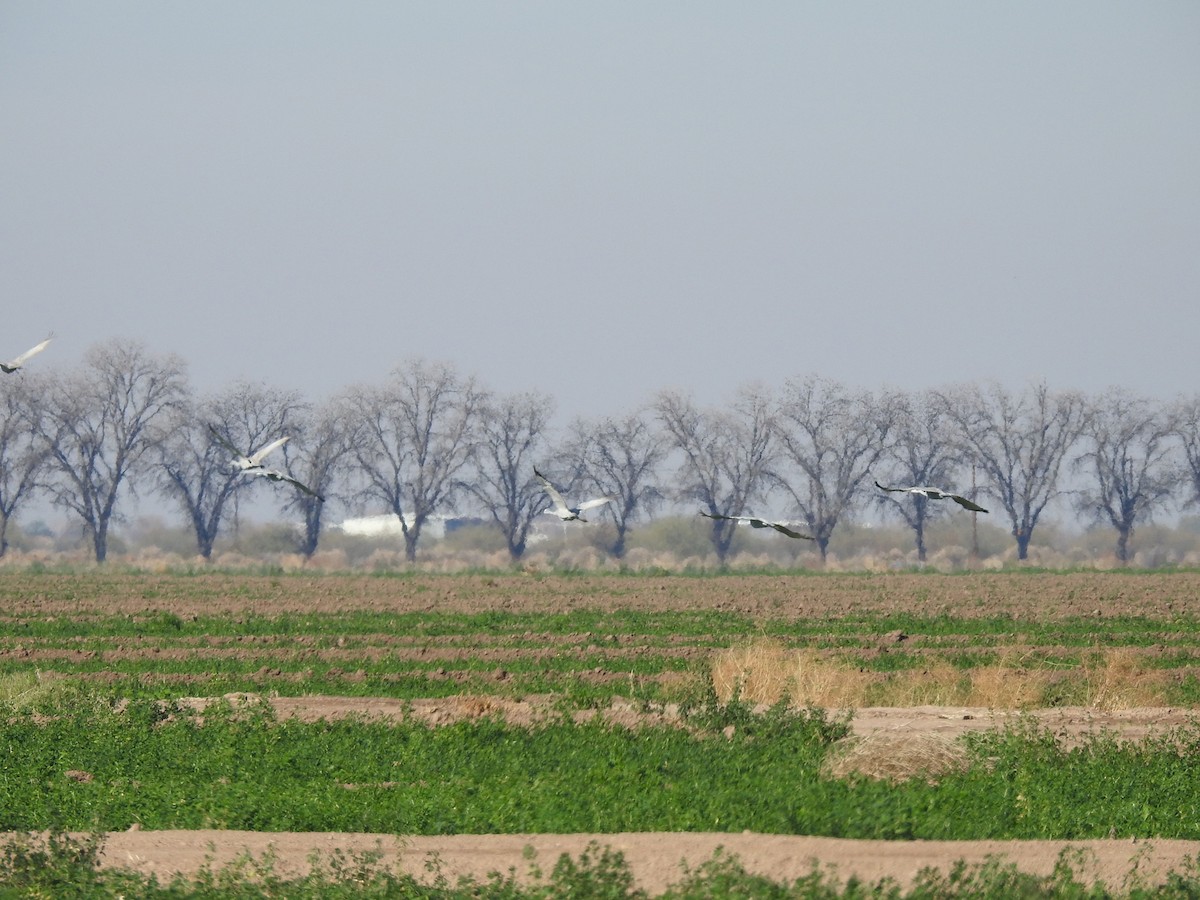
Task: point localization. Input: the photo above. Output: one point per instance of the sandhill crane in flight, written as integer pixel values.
(564, 512)
(252, 464)
(756, 522)
(242, 461)
(14, 364)
(935, 494)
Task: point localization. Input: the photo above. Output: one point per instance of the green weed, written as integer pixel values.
(729, 769)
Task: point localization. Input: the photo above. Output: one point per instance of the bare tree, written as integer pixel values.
(1128, 448)
(196, 468)
(1185, 414)
(620, 458)
(315, 459)
(22, 453)
(926, 452)
(412, 439)
(1020, 443)
(832, 436)
(101, 423)
(196, 472)
(512, 435)
(727, 455)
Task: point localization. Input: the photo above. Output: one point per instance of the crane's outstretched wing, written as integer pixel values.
(719, 516)
(756, 522)
(935, 494)
(592, 504)
(304, 487)
(259, 455)
(784, 529)
(560, 505)
(14, 364)
(276, 475)
(966, 504)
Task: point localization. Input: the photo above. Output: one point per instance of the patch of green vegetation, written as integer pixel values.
(664, 626)
(95, 767)
(581, 653)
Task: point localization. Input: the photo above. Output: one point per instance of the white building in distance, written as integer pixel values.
(388, 525)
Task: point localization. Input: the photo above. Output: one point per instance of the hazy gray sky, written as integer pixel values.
(600, 200)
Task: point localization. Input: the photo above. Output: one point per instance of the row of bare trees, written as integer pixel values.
(821, 445)
(429, 441)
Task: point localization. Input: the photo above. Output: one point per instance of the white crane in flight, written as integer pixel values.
(564, 512)
(756, 522)
(14, 364)
(934, 494)
(247, 462)
(252, 464)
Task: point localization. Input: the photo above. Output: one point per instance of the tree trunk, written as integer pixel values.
(722, 539)
(618, 546)
(1023, 535)
(204, 537)
(100, 541)
(1123, 536)
(920, 530)
(312, 529)
(411, 536)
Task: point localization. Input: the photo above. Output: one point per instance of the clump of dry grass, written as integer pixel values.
(1010, 683)
(23, 690)
(819, 681)
(897, 757)
(335, 560)
(155, 561)
(231, 559)
(1116, 679)
(766, 672)
(938, 684)
(754, 673)
(641, 559)
(1108, 679)
(1001, 687)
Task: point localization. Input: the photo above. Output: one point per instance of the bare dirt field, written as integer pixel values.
(1037, 596)
(654, 858)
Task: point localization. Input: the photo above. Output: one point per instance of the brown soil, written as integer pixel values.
(991, 594)
(1068, 723)
(654, 858)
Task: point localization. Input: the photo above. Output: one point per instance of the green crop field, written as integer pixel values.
(97, 737)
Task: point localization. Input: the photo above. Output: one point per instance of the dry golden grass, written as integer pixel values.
(22, 690)
(754, 673)
(1116, 679)
(815, 681)
(1010, 683)
(897, 757)
(765, 672)
(938, 684)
